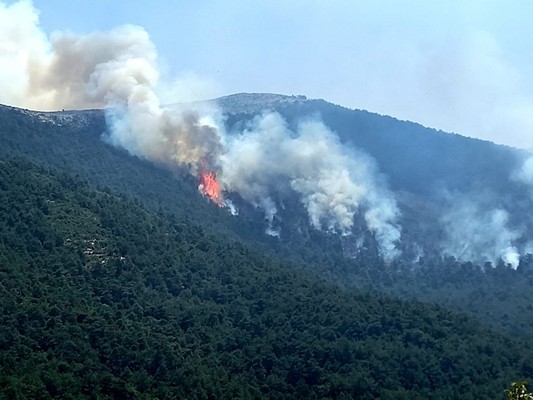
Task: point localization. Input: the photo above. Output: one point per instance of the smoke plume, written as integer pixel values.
(332, 182)
(118, 70)
(480, 234)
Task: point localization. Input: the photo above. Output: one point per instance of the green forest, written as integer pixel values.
(119, 280)
(71, 143)
(102, 298)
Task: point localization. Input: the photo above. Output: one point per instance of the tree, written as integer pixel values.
(518, 391)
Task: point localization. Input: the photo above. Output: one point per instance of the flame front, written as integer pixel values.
(210, 187)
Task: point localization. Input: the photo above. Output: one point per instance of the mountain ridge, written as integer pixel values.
(253, 103)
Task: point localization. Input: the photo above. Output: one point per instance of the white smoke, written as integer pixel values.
(525, 173)
(22, 44)
(119, 70)
(480, 235)
(68, 70)
(332, 182)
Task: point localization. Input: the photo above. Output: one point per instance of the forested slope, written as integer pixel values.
(71, 142)
(104, 299)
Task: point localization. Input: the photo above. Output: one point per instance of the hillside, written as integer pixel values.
(430, 172)
(77, 148)
(71, 142)
(104, 299)
(415, 158)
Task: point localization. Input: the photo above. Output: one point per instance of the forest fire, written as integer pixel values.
(210, 187)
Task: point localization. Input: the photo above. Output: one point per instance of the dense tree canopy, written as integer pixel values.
(71, 143)
(118, 280)
(104, 299)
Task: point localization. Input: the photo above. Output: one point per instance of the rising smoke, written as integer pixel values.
(524, 174)
(332, 181)
(479, 233)
(118, 70)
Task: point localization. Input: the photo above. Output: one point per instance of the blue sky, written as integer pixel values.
(461, 66)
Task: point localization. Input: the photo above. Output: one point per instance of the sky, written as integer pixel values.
(459, 66)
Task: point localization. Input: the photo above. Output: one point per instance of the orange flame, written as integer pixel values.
(210, 187)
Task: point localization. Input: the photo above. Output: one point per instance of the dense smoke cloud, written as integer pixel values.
(22, 44)
(117, 70)
(479, 234)
(332, 182)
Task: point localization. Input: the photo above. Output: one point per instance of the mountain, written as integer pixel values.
(414, 158)
(445, 185)
(429, 173)
(102, 298)
(255, 103)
